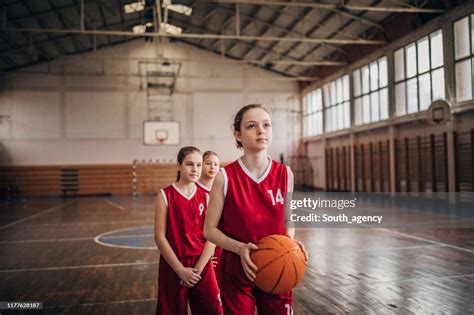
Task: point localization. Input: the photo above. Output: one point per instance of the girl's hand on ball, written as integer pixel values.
(247, 264)
(306, 257)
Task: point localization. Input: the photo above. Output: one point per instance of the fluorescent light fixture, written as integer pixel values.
(178, 8)
(134, 6)
(181, 8)
(139, 29)
(171, 29)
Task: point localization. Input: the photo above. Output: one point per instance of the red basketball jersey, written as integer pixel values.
(201, 186)
(254, 207)
(185, 220)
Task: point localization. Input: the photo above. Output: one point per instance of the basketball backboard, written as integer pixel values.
(161, 133)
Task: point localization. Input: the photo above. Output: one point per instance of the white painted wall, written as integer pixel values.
(75, 118)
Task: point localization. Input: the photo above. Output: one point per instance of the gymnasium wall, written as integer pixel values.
(401, 153)
(89, 109)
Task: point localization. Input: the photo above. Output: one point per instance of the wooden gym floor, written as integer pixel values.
(96, 256)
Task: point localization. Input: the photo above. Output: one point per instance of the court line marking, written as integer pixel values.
(115, 205)
(87, 223)
(47, 240)
(98, 241)
(428, 240)
(89, 238)
(418, 238)
(127, 236)
(34, 215)
(148, 247)
(368, 282)
(30, 208)
(154, 299)
(100, 303)
(81, 267)
(380, 249)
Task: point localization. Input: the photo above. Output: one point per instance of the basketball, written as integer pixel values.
(280, 262)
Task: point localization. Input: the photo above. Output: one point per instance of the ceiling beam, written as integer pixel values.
(43, 13)
(334, 6)
(216, 60)
(62, 19)
(59, 49)
(30, 48)
(302, 19)
(104, 19)
(28, 53)
(203, 36)
(80, 8)
(243, 27)
(316, 47)
(179, 23)
(295, 22)
(272, 20)
(78, 52)
(340, 11)
(61, 37)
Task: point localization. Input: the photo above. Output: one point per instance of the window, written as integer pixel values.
(463, 56)
(419, 74)
(371, 92)
(313, 113)
(336, 104)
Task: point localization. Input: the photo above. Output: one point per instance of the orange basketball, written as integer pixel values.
(280, 262)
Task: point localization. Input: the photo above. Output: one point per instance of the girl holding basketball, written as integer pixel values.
(184, 270)
(247, 204)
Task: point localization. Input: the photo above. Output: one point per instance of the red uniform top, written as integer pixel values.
(201, 186)
(185, 220)
(254, 207)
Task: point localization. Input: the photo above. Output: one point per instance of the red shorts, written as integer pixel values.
(241, 296)
(218, 254)
(204, 297)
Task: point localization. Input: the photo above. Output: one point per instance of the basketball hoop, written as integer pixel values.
(439, 112)
(160, 132)
(161, 136)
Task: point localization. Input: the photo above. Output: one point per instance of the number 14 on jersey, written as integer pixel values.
(278, 198)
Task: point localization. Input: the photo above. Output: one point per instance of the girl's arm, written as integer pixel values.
(289, 229)
(213, 234)
(206, 254)
(188, 275)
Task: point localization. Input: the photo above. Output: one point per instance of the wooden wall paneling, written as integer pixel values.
(338, 169)
(419, 164)
(445, 162)
(371, 166)
(389, 177)
(397, 166)
(380, 176)
(433, 163)
(407, 165)
(362, 170)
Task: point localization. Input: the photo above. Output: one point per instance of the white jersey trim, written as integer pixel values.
(183, 194)
(203, 186)
(249, 174)
(164, 197)
(290, 179)
(226, 182)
